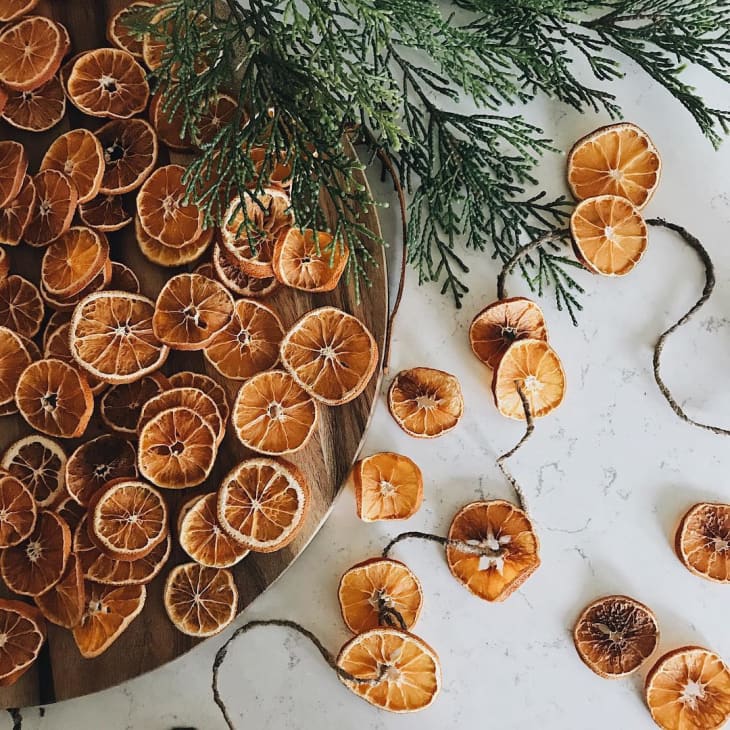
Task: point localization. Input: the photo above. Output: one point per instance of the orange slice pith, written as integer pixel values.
(379, 592)
(534, 367)
(124, 279)
(500, 549)
(200, 601)
(616, 160)
(56, 198)
(503, 322)
(388, 486)
(232, 277)
(331, 354)
(425, 402)
(130, 153)
(120, 405)
(16, 215)
(202, 537)
(39, 463)
(108, 612)
(105, 213)
(30, 52)
(13, 9)
(190, 311)
(118, 32)
(18, 511)
(21, 306)
(689, 689)
(187, 379)
(25, 632)
(108, 82)
(37, 110)
(702, 541)
(273, 414)
(309, 260)
(171, 256)
(609, 235)
(262, 503)
(112, 336)
(248, 343)
(13, 167)
(14, 358)
(411, 672)
(73, 260)
(615, 635)
(177, 449)
(35, 565)
(64, 604)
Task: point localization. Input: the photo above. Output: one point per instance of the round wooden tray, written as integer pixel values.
(151, 640)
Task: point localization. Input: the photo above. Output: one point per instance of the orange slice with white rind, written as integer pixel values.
(39, 463)
(31, 51)
(388, 486)
(64, 604)
(130, 153)
(18, 511)
(79, 155)
(188, 379)
(14, 9)
(120, 31)
(702, 541)
(229, 273)
(171, 256)
(25, 632)
(124, 279)
(71, 262)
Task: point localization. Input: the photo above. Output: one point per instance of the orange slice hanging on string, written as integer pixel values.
(503, 322)
(227, 271)
(25, 632)
(187, 379)
(171, 256)
(273, 414)
(309, 260)
(31, 52)
(13, 167)
(379, 592)
(331, 354)
(200, 601)
(388, 486)
(71, 262)
(119, 407)
(64, 604)
(702, 541)
(18, 511)
(124, 279)
(496, 549)
(39, 463)
(105, 213)
(689, 689)
(57, 198)
(14, 9)
(410, 669)
(130, 153)
(262, 503)
(21, 306)
(14, 358)
(120, 29)
(17, 214)
(37, 110)
(616, 160)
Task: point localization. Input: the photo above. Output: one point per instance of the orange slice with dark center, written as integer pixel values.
(37, 110)
(78, 155)
(39, 463)
(56, 198)
(388, 486)
(702, 541)
(130, 153)
(309, 260)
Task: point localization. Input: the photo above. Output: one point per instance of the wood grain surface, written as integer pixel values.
(61, 673)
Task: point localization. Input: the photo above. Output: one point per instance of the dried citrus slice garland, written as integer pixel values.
(388, 486)
(702, 541)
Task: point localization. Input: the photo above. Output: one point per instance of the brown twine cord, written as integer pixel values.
(709, 267)
(16, 717)
(460, 545)
(390, 616)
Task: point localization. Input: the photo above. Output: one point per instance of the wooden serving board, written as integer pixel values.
(61, 673)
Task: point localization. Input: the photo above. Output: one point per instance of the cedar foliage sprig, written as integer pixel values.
(311, 70)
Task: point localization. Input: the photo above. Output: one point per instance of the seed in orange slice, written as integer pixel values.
(171, 256)
(202, 537)
(379, 592)
(425, 402)
(119, 407)
(229, 273)
(187, 379)
(16, 215)
(200, 601)
(331, 354)
(13, 9)
(24, 630)
(190, 311)
(112, 337)
(13, 167)
(120, 29)
(262, 503)
(124, 279)
(163, 212)
(21, 306)
(56, 204)
(388, 486)
(79, 155)
(73, 260)
(108, 82)
(689, 689)
(409, 669)
(39, 463)
(14, 358)
(37, 110)
(106, 213)
(18, 511)
(64, 604)
(702, 541)
(108, 612)
(503, 322)
(31, 51)
(177, 449)
(619, 159)
(496, 550)
(130, 153)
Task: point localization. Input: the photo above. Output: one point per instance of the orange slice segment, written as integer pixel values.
(64, 604)
(25, 632)
(496, 550)
(13, 166)
(379, 592)
(37, 110)
(105, 213)
(702, 541)
(21, 306)
(124, 279)
(13, 9)
(14, 358)
(130, 153)
(119, 31)
(228, 272)
(31, 51)
(16, 215)
(39, 463)
(388, 486)
(56, 204)
(200, 601)
(18, 511)
(187, 379)
(71, 262)
(120, 405)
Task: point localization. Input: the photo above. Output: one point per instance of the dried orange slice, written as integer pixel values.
(616, 160)
(190, 311)
(177, 449)
(69, 510)
(13, 9)
(163, 212)
(496, 550)
(410, 669)
(68, 304)
(689, 689)
(37, 564)
(37, 110)
(124, 279)
(71, 262)
(169, 123)
(119, 407)
(609, 235)
(14, 358)
(503, 322)
(331, 354)
(153, 48)
(702, 542)
(54, 398)
(615, 635)
(31, 51)
(220, 111)
(16, 215)
(4, 264)
(18, 511)
(273, 415)
(379, 592)
(56, 204)
(96, 462)
(236, 280)
(130, 153)
(105, 213)
(21, 306)
(187, 379)
(78, 155)
(64, 604)
(119, 31)
(13, 166)
(262, 503)
(248, 344)
(39, 463)
(425, 402)
(25, 633)
(108, 612)
(309, 260)
(171, 256)
(388, 486)
(202, 537)
(533, 367)
(108, 82)
(280, 175)
(112, 336)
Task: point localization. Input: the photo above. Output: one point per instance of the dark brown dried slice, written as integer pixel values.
(37, 110)
(64, 604)
(105, 213)
(703, 541)
(124, 279)
(234, 278)
(16, 215)
(121, 404)
(18, 511)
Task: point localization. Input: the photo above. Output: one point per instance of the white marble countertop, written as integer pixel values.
(607, 477)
